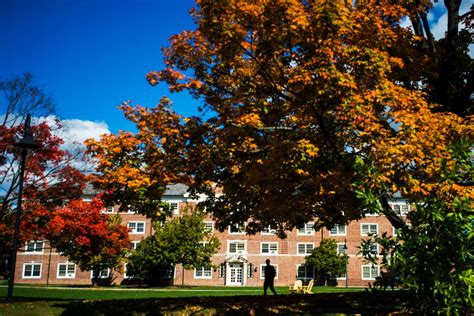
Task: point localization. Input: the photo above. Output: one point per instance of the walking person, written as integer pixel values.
(270, 274)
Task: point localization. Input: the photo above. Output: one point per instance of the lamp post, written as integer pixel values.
(27, 142)
(347, 261)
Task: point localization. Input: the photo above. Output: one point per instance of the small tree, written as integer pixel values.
(87, 237)
(326, 260)
(182, 240)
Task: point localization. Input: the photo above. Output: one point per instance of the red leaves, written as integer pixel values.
(86, 236)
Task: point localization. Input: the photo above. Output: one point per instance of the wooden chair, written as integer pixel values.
(308, 289)
(296, 288)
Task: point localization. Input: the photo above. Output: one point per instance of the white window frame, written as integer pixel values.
(237, 251)
(108, 210)
(31, 276)
(341, 230)
(268, 231)
(340, 246)
(269, 245)
(401, 208)
(134, 231)
(35, 247)
(262, 271)
(369, 229)
(306, 230)
(134, 244)
(305, 247)
(240, 229)
(206, 273)
(209, 226)
(131, 209)
(67, 273)
(101, 276)
(370, 267)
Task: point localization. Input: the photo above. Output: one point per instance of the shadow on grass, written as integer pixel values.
(346, 303)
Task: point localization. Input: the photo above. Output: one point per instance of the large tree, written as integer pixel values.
(322, 107)
(182, 240)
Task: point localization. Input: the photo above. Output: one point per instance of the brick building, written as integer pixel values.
(239, 261)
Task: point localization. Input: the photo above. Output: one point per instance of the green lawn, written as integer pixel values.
(109, 293)
(51, 300)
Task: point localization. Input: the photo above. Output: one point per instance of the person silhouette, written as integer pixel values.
(269, 273)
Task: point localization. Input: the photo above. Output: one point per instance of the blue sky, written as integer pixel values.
(91, 55)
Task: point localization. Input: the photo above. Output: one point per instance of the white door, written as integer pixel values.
(235, 271)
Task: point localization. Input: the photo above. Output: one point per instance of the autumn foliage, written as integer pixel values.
(86, 236)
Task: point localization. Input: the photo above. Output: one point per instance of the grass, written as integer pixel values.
(51, 300)
(117, 293)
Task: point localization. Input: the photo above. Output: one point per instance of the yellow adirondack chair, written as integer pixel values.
(309, 288)
(297, 287)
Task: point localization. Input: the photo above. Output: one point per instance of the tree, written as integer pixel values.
(182, 240)
(324, 107)
(50, 176)
(91, 239)
(326, 261)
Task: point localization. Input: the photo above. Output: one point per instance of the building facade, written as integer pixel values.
(239, 261)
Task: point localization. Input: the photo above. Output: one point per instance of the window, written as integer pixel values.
(32, 270)
(136, 227)
(66, 270)
(366, 229)
(394, 231)
(268, 231)
(341, 248)
(307, 229)
(103, 273)
(134, 244)
(370, 272)
(34, 246)
(262, 271)
(304, 272)
(236, 247)
(401, 208)
(209, 227)
(203, 273)
(173, 207)
(237, 229)
(305, 249)
(131, 209)
(108, 210)
(269, 248)
(338, 230)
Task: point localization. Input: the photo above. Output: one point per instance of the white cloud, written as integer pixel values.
(78, 131)
(74, 131)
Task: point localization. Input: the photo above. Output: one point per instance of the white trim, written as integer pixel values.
(68, 275)
(262, 276)
(338, 230)
(101, 276)
(32, 264)
(369, 266)
(238, 252)
(270, 252)
(369, 226)
(35, 246)
(306, 248)
(203, 276)
(134, 231)
(240, 227)
(308, 230)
